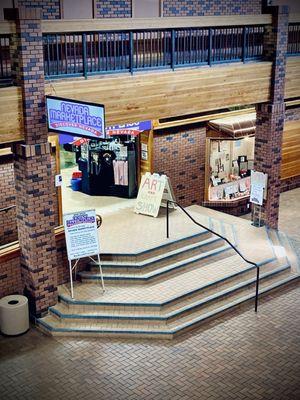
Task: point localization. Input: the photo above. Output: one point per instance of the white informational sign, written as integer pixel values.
(258, 187)
(259, 179)
(257, 195)
(144, 155)
(81, 239)
(81, 234)
(154, 190)
(58, 180)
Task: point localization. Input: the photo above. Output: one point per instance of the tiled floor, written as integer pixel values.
(240, 356)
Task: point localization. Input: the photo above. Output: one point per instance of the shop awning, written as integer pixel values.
(237, 126)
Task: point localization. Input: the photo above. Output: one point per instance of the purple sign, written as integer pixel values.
(75, 118)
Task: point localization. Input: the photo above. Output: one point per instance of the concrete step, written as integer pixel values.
(154, 328)
(181, 291)
(156, 271)
(167, 246)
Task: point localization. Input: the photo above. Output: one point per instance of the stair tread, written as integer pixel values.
(178, 308)
(157, 271)
(158, 257)
(170, 328)
(157, 293)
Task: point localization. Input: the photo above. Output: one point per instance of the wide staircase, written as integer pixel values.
(168, 289)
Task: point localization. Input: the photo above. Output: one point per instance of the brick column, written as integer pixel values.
(34, 192)
(270, 117)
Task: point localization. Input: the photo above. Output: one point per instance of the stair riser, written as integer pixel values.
(165, 275)
(195, 296)
(161, 324)
(242, 306)
(134, 269)
(156, 251)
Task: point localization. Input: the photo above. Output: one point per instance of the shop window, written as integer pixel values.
(78, 9)
(5, 4)
(146, 8)
(230, 165)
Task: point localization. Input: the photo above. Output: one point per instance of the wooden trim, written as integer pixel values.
(124, 24)
(7, 27)
(203, 118)
(295, 17)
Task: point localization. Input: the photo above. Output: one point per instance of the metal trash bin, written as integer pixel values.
(14, 315)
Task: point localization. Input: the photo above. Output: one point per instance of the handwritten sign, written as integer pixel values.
(81, 234)
(154, 190)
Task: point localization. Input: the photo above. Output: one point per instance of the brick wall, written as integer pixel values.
(292, 114)
(50, 8)
(113, 9)
(8, 223)
(180, 154)
(176, 8)
(10, 275)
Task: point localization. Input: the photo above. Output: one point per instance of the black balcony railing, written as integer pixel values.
(106, 52)
(83, 54)
(294, 39)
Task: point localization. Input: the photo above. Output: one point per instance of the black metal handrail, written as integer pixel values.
(5, 209)
(222, 237)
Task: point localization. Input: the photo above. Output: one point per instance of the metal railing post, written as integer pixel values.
(244, 44)
(84, 55)
(209, 46)
(173, 49)
(131, 47)
(167, 219)
(256, 288)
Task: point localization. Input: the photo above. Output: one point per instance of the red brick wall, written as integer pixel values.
(292, 114)
(10, 276)
(50, 8)
(8, 223)
(180, 154)
(113, 9)
(177, 8)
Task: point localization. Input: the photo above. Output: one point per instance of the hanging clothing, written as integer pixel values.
(121, 172)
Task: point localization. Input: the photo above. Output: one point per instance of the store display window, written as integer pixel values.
(230, 165)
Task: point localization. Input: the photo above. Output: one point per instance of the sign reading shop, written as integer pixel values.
(75, 118)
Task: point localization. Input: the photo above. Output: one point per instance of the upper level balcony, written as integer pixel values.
(88, 47)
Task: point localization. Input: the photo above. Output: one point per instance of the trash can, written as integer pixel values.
(14, 315)
(76, 184)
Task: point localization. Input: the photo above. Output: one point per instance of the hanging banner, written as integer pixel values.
(154, 191)
(75, 118)
(133, 129)
(81, 234)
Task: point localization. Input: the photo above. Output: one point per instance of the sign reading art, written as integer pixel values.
(75, 118)
(81, 234)
(154, 191)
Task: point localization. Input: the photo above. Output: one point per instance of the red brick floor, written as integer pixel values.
(239, 356)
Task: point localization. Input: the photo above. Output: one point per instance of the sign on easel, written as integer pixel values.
(258, 187)
(155, 190)
(81, 239)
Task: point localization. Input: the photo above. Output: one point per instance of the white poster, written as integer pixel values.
(257, 194)
(81, 234)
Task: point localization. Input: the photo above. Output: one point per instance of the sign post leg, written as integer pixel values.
(101, 274)
(71, 279)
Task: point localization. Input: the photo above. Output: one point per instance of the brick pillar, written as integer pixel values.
(270, 117)
(34, 194)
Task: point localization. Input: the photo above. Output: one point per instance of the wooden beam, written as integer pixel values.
(125, 24)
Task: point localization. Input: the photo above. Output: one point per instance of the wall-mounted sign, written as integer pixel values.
(75, 118)
(133, 129)
(154, 191)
